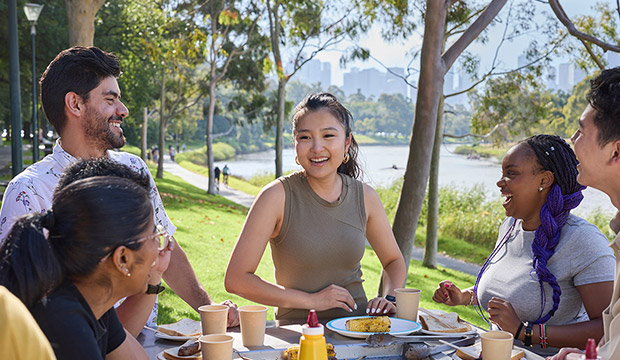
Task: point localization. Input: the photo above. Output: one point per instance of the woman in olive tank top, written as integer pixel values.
(316, 222)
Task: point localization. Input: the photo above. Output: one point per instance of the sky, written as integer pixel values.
(395, 54)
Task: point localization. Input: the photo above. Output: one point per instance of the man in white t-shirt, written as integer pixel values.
(81, 99)
(597, 146)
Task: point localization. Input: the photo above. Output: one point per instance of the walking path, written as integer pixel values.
(202, 182)
(246, 200)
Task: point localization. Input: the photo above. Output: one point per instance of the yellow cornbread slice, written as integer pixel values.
(373, 324)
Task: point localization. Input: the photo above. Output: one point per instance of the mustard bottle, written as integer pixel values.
(312, 342)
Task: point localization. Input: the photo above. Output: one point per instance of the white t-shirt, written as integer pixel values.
(582, 256)
(32, 191)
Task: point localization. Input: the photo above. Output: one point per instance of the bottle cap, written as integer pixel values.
(591, 349)
(313, 327)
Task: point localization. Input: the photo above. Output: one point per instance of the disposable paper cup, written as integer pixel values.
(496, 345)
(407, 302)
(253, 319)
(214, 319)
(216, 347)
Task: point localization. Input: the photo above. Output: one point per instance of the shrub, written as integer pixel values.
(465, 214)
(221, 151)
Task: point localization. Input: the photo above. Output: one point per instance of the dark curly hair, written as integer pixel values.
(604, 97)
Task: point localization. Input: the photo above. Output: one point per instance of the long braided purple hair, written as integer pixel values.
(555, 155)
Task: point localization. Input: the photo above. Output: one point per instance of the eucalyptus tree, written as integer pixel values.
(233, 36)
(434, 64)
(81, 19)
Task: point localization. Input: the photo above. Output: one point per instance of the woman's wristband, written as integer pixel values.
(519, 331)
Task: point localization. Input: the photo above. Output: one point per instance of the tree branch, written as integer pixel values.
(592, 54)
(485, 18)
(561, 15)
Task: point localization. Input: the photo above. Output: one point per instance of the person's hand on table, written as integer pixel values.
(233, 313)
(380, 306)
(332, 297)
(567, 354)
(503, 314)
(449, 294)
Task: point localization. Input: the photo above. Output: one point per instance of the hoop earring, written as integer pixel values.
(297, 160)
(540, 189)
(346, 158)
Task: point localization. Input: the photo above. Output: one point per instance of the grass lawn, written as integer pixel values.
(208, 226)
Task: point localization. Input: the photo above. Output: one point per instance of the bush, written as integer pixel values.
(469, 215)
(221, 152)
(484, 151)
(464, 214)
(601, 219)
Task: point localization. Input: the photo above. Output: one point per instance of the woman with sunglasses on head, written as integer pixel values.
(551, 273)
(101, 245)
(317, 222)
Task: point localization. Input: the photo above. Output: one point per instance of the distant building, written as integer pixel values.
(315, 71)
(372, 82)
(448, 82)
(563, 77)
(551, 76)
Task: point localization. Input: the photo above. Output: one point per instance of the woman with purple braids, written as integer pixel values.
(551, 273)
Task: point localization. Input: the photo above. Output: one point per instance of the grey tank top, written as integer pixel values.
(320, 243)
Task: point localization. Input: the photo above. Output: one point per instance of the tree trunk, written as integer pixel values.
(275, 29)
(210, 131)
(144, 133)
(432, 219)
(162, 127)
(430, 87)
(81, 18)
(280, 125)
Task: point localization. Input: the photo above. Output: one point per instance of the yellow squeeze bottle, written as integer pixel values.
(312, 342)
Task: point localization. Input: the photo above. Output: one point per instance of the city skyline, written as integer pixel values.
(394, 55)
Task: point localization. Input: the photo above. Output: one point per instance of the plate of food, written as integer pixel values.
(362, 326)
(182, 330)
(188, 351)
(438, 322)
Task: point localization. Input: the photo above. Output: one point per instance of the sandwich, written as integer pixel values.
(443, 323)
(188, 351)
(375, 324)
(183, 327)
(472, 353)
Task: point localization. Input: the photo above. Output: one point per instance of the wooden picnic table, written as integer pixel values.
(278, 338)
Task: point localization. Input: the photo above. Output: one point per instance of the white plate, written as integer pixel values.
(161, 356)
(398, 327)
(165, 336)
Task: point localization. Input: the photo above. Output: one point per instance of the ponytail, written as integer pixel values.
(554, 155)
(29, 267)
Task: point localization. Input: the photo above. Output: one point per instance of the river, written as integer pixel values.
(377, 165)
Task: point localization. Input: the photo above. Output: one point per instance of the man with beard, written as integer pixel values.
(81, 99)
